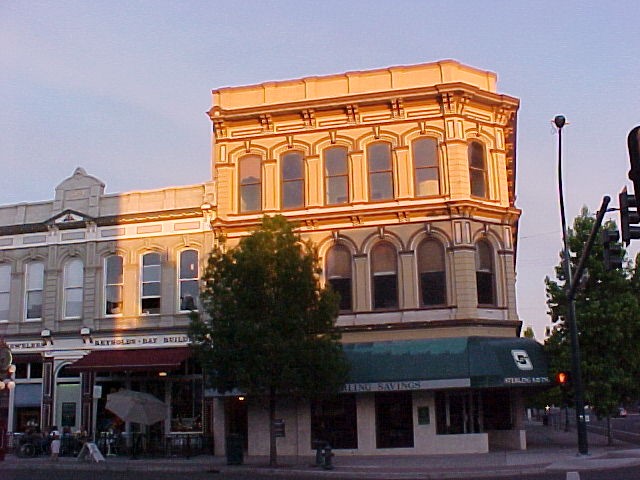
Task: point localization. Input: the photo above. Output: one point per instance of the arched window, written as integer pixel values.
(5, 292)
(384, 273)
(113, 283)
(250, 184)
(35, 285)
(431, 268)
(426, 167)
(151, 275)
(477, 169)
(380, 171)
(189, 280)
(485, 274)
(336, 176)
(73, 281)
(339, 275)
(292, 172)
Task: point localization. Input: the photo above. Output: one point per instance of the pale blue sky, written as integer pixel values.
(121, 88)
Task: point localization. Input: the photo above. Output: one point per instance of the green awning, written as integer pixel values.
(462, 362)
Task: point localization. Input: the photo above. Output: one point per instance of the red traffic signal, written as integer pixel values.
(562, 378)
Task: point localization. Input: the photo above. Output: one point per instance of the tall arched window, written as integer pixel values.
(35, 285)
(189, 280)
(73, 281)
(380, 171)
(113, 284)
(336, 176)
(485, 281)
(384, 273)
(151, 275)
(339, 274)
(477, 169)
(5, 291)
(250, 184)
(292, 174)
(431, 268)
(426, 167)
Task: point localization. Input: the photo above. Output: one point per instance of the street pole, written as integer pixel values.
(576, 373)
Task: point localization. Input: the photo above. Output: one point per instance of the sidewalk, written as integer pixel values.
(549, 450)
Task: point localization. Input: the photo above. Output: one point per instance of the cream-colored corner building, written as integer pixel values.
(405, 179)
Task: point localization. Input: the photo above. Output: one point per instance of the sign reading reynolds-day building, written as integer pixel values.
(138, 341)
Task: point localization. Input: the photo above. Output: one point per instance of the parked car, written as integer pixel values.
(621, 412)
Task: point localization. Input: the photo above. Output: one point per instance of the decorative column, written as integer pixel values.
(48, 381)
(87, 380)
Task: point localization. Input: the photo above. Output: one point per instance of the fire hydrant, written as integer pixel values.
(327, 456)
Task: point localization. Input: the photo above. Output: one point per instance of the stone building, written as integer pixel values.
(405, 179)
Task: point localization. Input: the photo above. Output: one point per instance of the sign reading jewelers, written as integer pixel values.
(131, 341)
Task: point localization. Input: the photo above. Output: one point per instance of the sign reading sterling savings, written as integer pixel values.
(523, 362)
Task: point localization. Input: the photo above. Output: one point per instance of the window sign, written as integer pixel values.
(68, 414)
(423, 416)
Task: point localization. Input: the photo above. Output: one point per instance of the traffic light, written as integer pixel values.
(563, 378)
(628, 216)
(633, 144)
(611, 250)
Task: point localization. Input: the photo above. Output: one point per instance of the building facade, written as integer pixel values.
(405, 179)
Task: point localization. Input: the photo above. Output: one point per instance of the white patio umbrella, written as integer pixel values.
(137, 407)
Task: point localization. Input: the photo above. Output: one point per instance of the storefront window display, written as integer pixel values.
(186, 405)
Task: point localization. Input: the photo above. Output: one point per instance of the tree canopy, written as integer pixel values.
(608, 323)
(268, 325)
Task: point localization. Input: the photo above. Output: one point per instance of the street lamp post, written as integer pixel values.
(576, 373)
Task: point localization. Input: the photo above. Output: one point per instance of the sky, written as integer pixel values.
(121, 87)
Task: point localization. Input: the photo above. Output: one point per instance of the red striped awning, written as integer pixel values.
(147, 359)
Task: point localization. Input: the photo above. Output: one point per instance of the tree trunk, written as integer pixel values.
(273, 452)
(609, 431)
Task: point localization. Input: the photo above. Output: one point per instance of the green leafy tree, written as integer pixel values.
(608, 322)
(268, 326)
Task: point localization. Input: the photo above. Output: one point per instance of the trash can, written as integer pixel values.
(235, 449)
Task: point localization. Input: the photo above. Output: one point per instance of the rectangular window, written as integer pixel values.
(189, 280)
(342, 286)
(5, 289)
(68, 416)
(35, 283)
(380, 172)
(385, 292)
(73, 280)
(334, 421)
(484, 283)
(394, 420)
(151, 273)
(459, 413)
(433, 288)
(186, 406)
(114, 283)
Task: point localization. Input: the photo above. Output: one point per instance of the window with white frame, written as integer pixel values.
(113, 285)
(150, 288)
(5, 291)
(426, 167)
(34, 284)
(431, 269)
(336, 176)
(380, 169)
(384, 276)
(339, 275)
(189, 280)
(485, 278)
(292, 174)
(73, 280)
(477, 170)
(250, 184)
